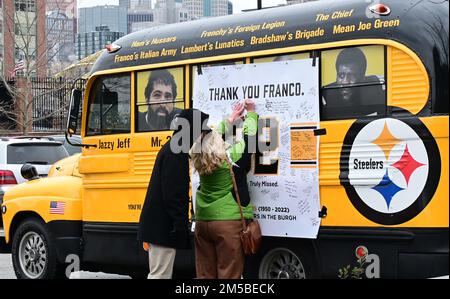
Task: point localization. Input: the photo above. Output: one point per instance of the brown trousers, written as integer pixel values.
(218, 250)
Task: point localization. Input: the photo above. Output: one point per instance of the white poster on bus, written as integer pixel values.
(283, 181)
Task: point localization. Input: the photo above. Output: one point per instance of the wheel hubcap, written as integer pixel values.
(281, 264)
(32, 255)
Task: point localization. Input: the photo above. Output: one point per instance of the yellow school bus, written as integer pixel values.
(383, 158)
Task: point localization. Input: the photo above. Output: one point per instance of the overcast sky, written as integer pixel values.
(238, 5)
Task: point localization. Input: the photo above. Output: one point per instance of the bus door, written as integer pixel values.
(109, 229)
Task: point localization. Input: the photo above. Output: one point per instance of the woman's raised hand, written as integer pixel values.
(237, 112)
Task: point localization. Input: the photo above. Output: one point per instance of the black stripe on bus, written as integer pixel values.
(111, 227)
(303, 128)
(303, 163)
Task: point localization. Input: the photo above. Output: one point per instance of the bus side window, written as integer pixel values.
(353, 83)
(109, 108)
(160, 97)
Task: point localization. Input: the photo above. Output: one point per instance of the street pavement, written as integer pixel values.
(7, 271)
(6, 268)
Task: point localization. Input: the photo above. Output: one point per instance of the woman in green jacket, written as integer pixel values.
(218, 249)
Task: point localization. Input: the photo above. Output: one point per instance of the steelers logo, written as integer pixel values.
(390, 168)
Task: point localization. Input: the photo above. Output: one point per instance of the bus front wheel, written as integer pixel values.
(34, 252)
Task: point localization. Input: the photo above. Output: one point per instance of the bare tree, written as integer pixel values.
(35, 47)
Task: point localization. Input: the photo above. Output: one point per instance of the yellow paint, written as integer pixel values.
(330, 151)
(133, 107)
(102, 163)
(386, 141)
(25, 198)
(304, 167)
(66, 167)
(187, 71)
(108, 196)
(107, 186)
(408, 82)
(341, 211)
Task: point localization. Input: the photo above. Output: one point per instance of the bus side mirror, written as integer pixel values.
(74, 111)
(29, 172)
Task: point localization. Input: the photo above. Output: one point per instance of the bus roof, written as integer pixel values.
(409, 22)
(421, 25)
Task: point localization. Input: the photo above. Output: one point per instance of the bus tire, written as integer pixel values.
(34, 252)
(285, 259)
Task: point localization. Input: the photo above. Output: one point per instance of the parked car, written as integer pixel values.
(75, 139)
(41, 152)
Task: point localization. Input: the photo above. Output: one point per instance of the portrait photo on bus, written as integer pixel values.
(160, 97)
(353, 82)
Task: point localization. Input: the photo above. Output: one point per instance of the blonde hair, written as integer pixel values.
(208, 153)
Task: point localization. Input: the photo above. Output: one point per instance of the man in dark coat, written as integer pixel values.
(164, 221)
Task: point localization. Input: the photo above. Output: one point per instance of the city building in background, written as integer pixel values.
(99, 26)
(174, 11)
(138, 11)
(216, 8)
(112, 16)
(60, 42)
(195, 9)
(230, 7)
(169, 12)
(136, 4)
(198, 9)
(135, 17)
(68, 8)
(23, 36)
(288, 2)
(91, 42)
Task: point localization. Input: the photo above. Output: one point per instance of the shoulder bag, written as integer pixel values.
(251, 236)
